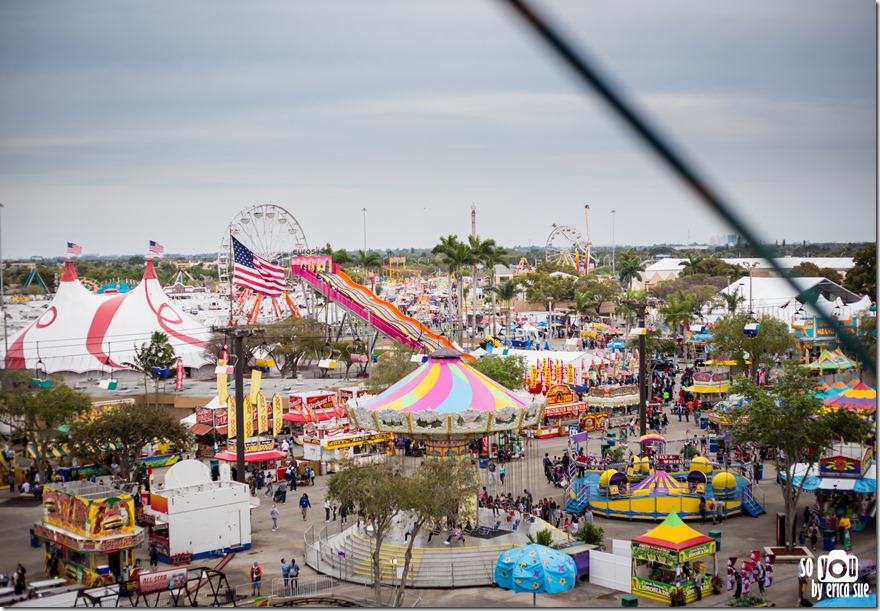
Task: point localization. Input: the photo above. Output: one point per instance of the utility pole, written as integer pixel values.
(643, 369)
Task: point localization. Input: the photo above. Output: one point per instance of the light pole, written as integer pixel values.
(3, 301)
(613, 244)
(364, 210)
(750, 265)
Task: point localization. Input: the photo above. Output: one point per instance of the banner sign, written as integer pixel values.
(251, 445)
(358, 440)
(666, 557)
(559, 394)
(214, 417)
(692, 553)
(156, 581)
(317, 263)
(571, 408)
(178, 377)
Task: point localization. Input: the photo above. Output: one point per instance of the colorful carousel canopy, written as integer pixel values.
(831, 360)
(673, 534)
(859, 397)
(659, 483)
(445, 399)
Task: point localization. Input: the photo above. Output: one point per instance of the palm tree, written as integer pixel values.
(506, 292)
(629, 267)
(494, 256)
(678, 310)
(731, 300)
(689, 267)
(455, 255)
(158, 353)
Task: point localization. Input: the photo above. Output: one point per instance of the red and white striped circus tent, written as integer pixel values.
(81, 331)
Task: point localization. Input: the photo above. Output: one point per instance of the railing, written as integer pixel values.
(323, 587)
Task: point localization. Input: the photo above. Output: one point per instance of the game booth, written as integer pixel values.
(564, 410)
(89, 529)
(668, 557)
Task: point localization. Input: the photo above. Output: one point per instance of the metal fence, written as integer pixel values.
(322, 587)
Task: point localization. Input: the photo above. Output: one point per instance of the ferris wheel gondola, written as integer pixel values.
(272, 233)
(565, 246)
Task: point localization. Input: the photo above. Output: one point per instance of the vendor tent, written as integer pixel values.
(859, 397)
(831, 360)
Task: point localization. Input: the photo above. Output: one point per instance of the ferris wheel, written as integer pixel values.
(563, 244)
(272, 233)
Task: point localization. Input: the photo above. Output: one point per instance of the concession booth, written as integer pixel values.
(89, 530)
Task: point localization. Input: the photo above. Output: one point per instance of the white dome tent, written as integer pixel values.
(81, 331)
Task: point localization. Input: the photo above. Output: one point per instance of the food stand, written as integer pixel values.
(710, 386)
(662, 555)
(194, 517)
(329, 445)
(90, 528)
(563, 410)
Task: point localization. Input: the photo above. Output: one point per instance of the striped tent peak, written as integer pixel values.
(445, 384)
(660, 481)
(673, 534)
(860, 395)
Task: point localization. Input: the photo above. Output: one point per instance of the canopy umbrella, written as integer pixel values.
(652, 438)
(535, 568)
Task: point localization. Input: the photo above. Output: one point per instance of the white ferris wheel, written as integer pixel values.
(273, 233)
(563, 244)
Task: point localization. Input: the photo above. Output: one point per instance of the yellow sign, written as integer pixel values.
(222, 383)
(248, 423)
(232, 424)
(358, 440)
(559, 394)
(277, 414)
(256, 378)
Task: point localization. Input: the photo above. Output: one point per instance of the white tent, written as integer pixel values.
(81, 332)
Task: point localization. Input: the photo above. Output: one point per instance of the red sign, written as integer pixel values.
(156, 581)
(593, 422)
(560, 410)
(213, 417)
(178, 378)
(321, 401)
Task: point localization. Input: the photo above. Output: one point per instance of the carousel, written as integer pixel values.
(445, 403)
(668, 558)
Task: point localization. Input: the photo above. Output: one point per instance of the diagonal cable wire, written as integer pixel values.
(664, 150)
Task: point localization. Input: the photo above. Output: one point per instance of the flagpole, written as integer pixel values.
(228, 277)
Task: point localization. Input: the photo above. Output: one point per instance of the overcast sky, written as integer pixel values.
(126, 122)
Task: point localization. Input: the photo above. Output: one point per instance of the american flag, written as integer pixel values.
(156, 248)
(255, 272)
(74, 249)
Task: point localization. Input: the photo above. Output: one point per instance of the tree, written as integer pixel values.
(481, 252)
(689, 267)
(392, 366)
(341, 256)
(590, 534)
(39, 412)
(543, 537)
(454, 256)
(773, 338)
(629, 268)
(377, 491)
(152, 357)
(438, 489)
(731, 300)
(655, 344)
(130, 426)
(506, 292)
(506, 370)
(862, 278)
(368, 260)
(678, 311)
(490, 258)
(542, 287)
(294, 339)
(807, 269)
(789, 417)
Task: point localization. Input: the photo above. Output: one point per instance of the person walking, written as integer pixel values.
(737, 592)
(256, 574)
(304, 504)
(719, 511)
(343, 514)
(273, 513)
(154, 557)
(492, 468)
(762, 576)
(702, 509)
(269, 481)
(327, 509)
(501, 473)
(282, 490)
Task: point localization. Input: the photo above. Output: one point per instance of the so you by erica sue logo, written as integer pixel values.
(836, 574)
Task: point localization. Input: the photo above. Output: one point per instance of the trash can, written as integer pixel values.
(716, 534)
(829, 539)
(759, 474)
(704, 422)
(35, 541)
(484, 463)
(713, 444)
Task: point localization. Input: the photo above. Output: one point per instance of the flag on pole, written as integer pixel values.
(156, 248)
(256, 273)
(74, 249)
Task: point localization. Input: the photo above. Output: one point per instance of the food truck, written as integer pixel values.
(89, 530)
(194, 517)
